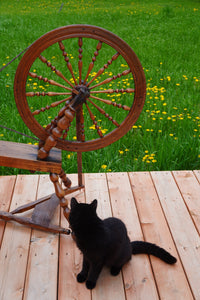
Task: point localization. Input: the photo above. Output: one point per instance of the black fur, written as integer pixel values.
(105, 242)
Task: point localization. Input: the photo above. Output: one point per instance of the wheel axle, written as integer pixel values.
(79, 99)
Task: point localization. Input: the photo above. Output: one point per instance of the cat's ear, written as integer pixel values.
(94, 204)
(74, 202)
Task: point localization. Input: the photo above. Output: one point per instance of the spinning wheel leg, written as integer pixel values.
(29, 222)
(44, 208)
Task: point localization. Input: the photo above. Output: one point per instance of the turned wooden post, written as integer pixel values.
(56, 133)
(66, 181)
(60, 194)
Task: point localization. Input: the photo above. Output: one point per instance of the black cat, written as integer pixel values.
(105, 242)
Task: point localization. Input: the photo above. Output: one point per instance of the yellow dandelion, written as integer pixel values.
(104, 167)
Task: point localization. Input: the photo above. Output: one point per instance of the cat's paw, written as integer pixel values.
(81, 277)
(90, 284)
(115, 271)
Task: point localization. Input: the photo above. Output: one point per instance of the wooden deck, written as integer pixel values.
(160, 207)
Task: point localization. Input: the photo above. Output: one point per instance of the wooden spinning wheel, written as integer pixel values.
(78, 88)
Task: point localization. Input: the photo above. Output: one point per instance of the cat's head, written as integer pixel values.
(81, 213)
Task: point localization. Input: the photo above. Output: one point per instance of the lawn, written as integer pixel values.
(165, 37)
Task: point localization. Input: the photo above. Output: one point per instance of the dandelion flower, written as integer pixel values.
(104, 167)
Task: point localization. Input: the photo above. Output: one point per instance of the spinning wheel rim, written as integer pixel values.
(77, 31)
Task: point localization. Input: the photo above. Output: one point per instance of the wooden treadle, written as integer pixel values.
(24, 156)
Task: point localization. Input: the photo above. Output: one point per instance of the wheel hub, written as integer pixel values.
(79, 99)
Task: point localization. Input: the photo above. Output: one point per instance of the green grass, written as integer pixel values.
(165, 37)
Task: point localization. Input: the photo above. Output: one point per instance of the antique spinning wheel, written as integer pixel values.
(78, 88)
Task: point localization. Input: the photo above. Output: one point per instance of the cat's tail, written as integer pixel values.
(139, 247)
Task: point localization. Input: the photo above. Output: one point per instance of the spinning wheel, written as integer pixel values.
(78, 88)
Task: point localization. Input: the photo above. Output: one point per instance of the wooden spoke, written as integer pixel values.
(52, 82)
(94, 121)
(51, 94)
(54, 104)
(111, 91)
(124, 73)
(109, 102)
(57, 72)
(114, 57)
(80, 63)
(91, 65)
(104, 113)
(62, 48)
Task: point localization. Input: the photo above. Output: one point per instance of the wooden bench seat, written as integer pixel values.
(24, 156)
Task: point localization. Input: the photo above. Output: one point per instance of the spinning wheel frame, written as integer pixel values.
(55, 133)
(80, 31)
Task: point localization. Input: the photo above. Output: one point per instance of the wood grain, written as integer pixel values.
(169, 278)
(155, 206)
(6, 190)
(182, 227)
(16, 242)
(24, 156)
(190, 191)
(41, 279)
(138, 277)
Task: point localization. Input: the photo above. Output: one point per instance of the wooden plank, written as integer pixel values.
(182, 227)
(138, 277)
(6, 190)
(96, 187)
(41, 280)
(190, 191)
(171, 280)
(70, 259)
(24, 156)
(197, 174)
(15, 244)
